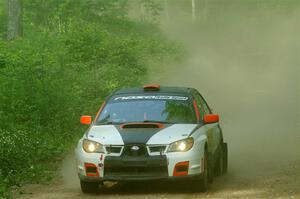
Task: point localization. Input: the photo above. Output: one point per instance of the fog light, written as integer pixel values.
(91, 170)
(181, 169)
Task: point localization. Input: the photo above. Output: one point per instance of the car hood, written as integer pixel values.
(115, 135)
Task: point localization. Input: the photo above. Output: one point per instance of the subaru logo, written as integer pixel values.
(135, 148)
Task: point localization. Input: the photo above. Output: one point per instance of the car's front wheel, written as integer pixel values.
(89, 187)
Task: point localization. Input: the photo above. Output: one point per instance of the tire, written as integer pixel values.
(204, 180)
(89, 187)
(210, 168)
(225, 157)
(219, 167)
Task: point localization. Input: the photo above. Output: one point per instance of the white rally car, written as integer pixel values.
(151, 133)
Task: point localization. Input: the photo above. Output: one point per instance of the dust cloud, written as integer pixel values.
(244, 57)
(68, 172)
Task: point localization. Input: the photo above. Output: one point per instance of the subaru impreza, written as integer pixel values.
(151, 133)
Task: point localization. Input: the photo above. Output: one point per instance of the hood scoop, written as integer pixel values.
(142, 125)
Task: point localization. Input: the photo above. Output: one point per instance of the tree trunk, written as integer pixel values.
(167, 10)
(14, 28)
(193, 9)
(298, 85)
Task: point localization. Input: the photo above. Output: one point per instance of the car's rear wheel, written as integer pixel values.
(89, 187)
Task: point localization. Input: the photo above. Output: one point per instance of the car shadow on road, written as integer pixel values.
(150, 187)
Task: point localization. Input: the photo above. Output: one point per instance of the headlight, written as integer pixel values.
(181, 145)
(92, 147)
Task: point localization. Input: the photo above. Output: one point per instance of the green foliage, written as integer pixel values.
(152, 9)
(73, 54)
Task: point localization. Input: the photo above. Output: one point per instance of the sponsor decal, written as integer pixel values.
(152, 97)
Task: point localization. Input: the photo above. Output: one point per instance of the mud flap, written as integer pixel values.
(210, 168)
(219, 163)
(225, 157)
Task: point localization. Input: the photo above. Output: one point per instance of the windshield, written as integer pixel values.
(164, 109)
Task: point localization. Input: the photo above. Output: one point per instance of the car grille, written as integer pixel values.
(113, 149)
(136, 171)
(129, 167)
(135, 150)
(157, 149)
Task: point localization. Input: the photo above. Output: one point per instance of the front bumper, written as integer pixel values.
(120, 168)
(112, 167)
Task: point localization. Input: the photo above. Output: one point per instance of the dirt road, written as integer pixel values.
(281, 183)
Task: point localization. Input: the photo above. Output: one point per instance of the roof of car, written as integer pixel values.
(162, 89)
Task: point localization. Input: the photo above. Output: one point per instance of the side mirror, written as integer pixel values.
(211, 118)
(86, 119)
